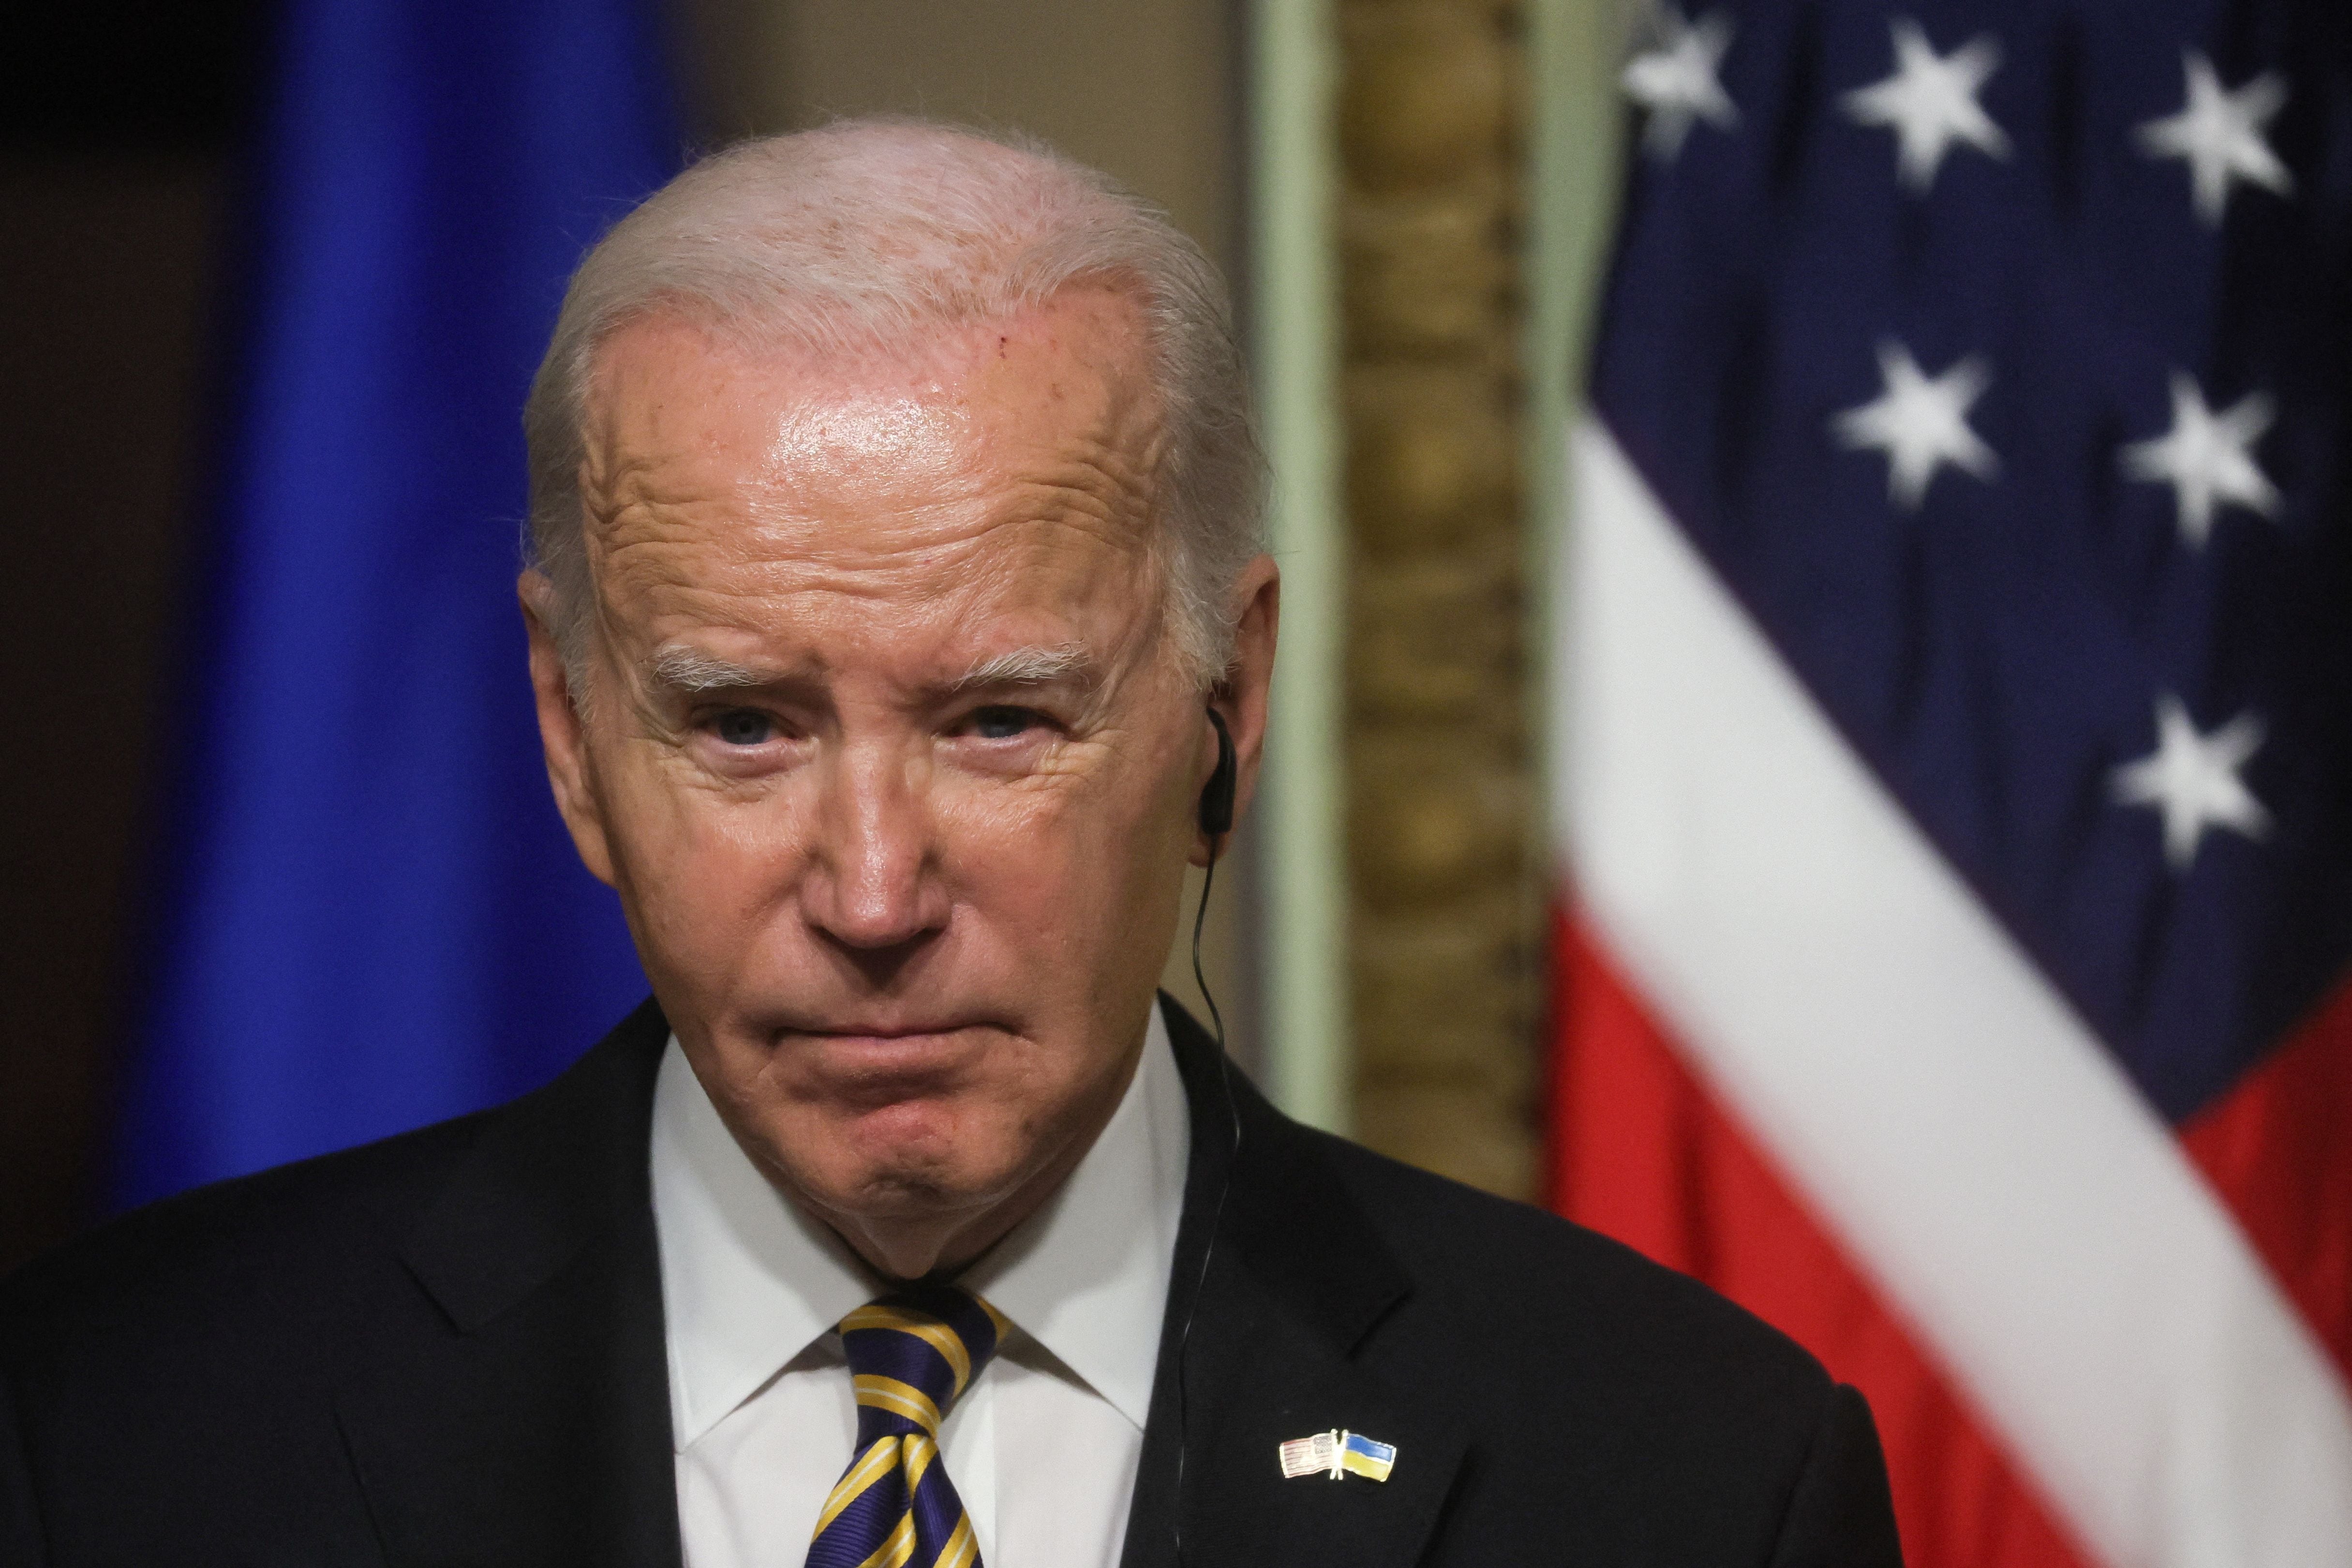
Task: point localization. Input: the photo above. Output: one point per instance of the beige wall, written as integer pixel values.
(1146, 90)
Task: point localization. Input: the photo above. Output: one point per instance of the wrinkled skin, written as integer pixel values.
(905, 911)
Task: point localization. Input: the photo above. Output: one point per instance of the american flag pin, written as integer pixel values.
(1337, 1453)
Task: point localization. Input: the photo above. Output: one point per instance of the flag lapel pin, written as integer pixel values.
(1337, 1453)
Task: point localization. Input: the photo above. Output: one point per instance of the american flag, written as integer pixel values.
(1953, 719)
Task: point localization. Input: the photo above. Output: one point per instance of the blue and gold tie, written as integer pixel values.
(912, 1354)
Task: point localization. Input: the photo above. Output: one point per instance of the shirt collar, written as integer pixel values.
(1086, 1275)
(748, 1281)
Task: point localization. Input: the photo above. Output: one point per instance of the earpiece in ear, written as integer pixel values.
(1217, 794)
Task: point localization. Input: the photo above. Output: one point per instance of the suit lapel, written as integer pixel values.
(1278, 1281)
(518, 1408)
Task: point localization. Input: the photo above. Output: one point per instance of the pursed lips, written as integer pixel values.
(873, 1049)
(883, 1032)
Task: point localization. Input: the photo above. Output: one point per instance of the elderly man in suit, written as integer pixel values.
(901, 629)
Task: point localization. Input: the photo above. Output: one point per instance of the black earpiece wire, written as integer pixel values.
(1216, 823)
(1199, 917)
(1216, 815)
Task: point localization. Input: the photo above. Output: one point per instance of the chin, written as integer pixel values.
(912, 1195)
(900, 1173)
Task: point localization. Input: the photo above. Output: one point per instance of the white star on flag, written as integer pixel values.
(1675, 82)
(1920, 423)
(1931, 102)
(2220, 136)
(2207, 458)
(2193, 780)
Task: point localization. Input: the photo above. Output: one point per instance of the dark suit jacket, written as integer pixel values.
(447, 1348)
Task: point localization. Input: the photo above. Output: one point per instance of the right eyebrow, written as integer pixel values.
(690, 670)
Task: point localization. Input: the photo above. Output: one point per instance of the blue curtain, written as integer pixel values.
(368, 914)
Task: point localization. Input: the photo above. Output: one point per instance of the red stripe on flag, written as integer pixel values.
(1642, 1151)
(2278, 1149)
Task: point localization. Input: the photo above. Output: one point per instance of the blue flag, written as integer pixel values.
(371, 914)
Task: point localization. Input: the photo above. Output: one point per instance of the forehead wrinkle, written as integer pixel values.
(648, 499)
(1100, 501)
(1099, 456)
(745, 584)
(1081, 491)
(708, 523)
(1121, 442)
(624, 469)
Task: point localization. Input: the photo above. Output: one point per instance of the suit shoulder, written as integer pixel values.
(289, 1240)
(281, 1232)
(1471, 1249)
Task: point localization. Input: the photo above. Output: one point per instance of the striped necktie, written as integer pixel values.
(911, 1353)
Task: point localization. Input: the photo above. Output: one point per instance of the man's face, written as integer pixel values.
(888, 749)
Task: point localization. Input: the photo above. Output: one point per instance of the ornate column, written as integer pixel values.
(1443, 911)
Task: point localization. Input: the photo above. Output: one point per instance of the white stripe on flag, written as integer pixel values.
(1930, 1093)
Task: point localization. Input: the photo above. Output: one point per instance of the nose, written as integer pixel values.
(875, 889)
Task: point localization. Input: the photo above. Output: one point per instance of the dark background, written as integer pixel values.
(119, 122)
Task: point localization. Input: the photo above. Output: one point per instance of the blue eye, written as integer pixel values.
(745, 727)
(1002, 723)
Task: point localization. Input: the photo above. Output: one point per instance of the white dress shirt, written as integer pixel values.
(1042, 1448)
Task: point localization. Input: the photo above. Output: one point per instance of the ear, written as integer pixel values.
(1241, 697)
(562, 733)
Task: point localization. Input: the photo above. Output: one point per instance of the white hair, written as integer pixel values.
(876, 233)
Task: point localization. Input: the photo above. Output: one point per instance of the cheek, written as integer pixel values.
(1014, 854)
(1067, 863)
(700, 872)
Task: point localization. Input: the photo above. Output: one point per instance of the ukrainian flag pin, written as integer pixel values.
(1337, 1453)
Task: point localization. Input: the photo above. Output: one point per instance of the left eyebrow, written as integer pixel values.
(1063, 663)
